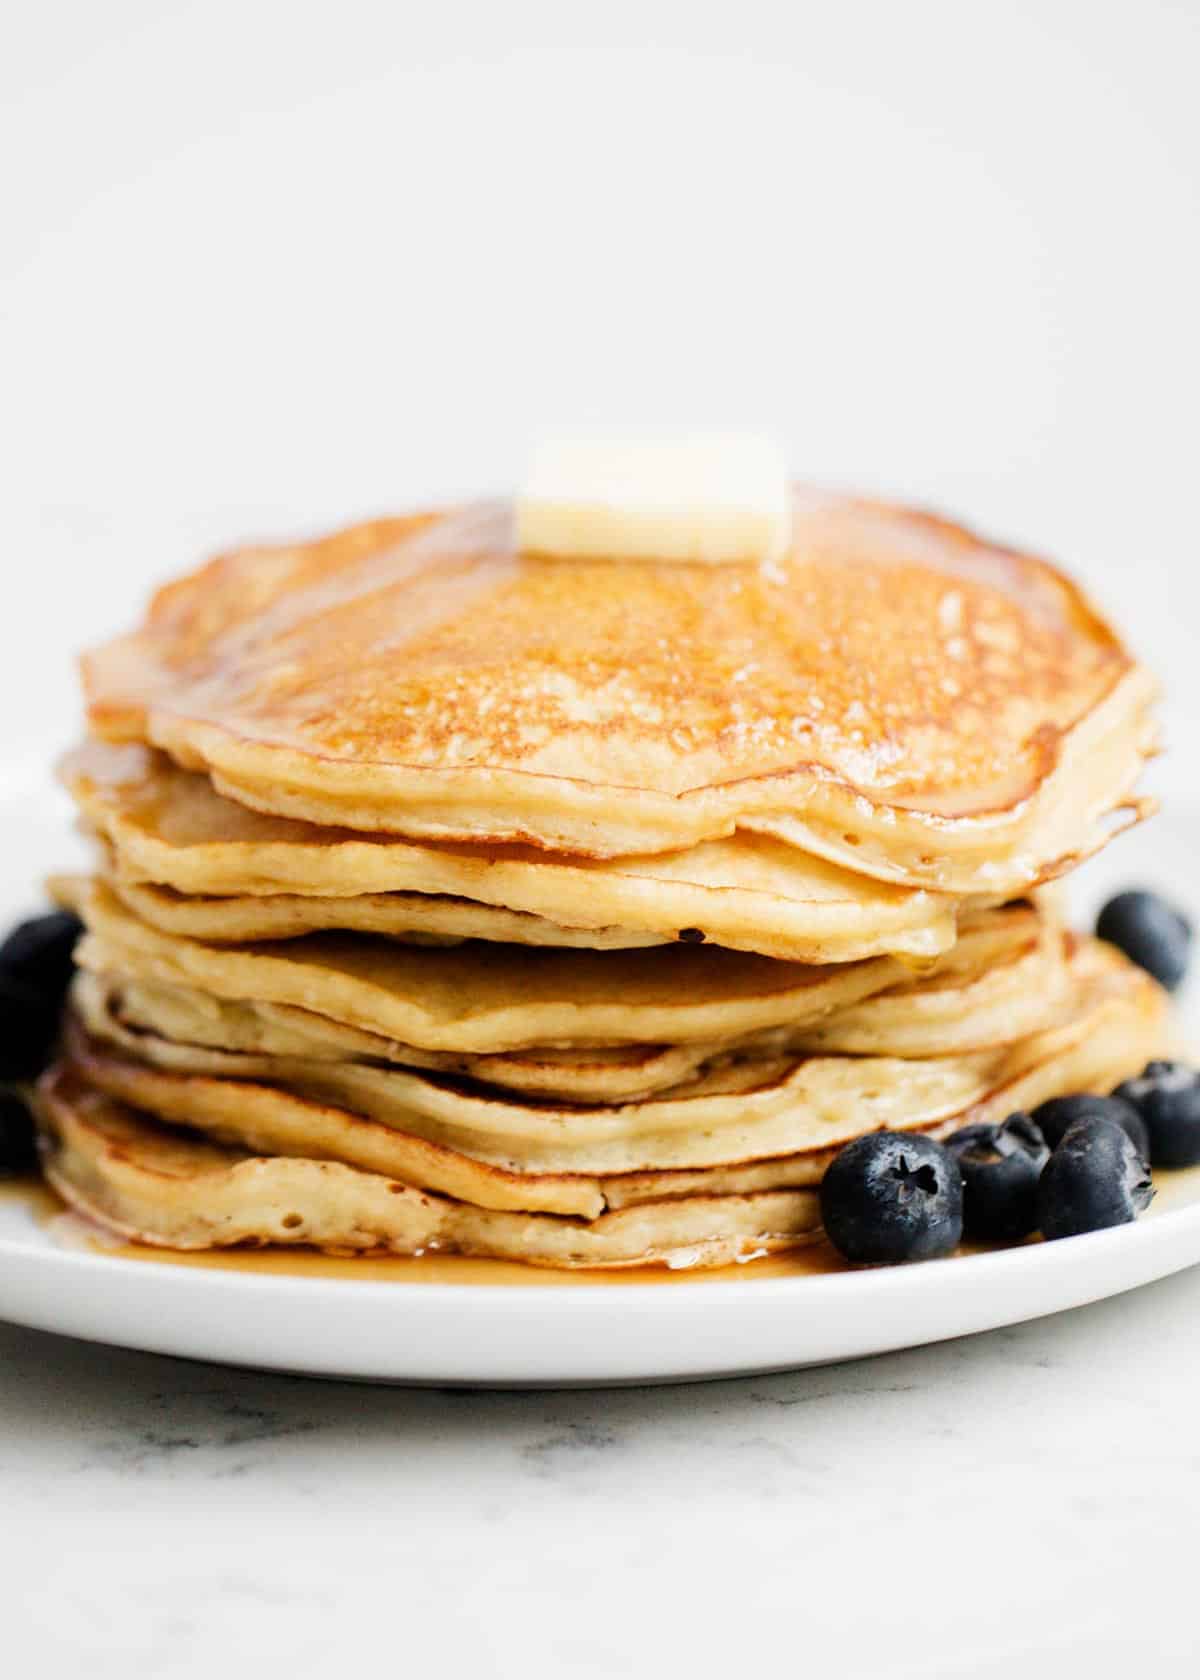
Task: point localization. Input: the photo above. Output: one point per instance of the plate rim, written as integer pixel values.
(433, 1334)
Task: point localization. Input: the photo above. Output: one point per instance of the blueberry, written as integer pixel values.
(17, 1153)
(1057, 1115)
(1094, 1179)
(1167, 1096)
(892, 1196)
(1151, 932)
(1000, 1166)
(28, 1029)
(40, 953)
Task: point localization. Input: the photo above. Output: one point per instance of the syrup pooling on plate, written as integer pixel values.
(68, 1230)
(1174, 1192)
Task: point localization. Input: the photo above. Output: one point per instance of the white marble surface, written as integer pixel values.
(1018, 1503)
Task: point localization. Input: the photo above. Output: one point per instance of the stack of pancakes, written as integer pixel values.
(579, 911)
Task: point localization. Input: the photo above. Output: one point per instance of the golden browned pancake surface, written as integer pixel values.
(420, 677)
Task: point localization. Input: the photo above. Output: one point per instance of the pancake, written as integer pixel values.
(986, 997)
(747, 1112)
(235, 1111)
(894, 690)
(219, 1097)
(161, 1186)
(1006, 977)
(413, 918)
(484, 998)
(170, 828)
(1118, 1033)
(172, 1190)
(167, 1024)
(737, 1112)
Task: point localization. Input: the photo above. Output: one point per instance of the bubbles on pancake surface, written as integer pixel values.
(893, 1196)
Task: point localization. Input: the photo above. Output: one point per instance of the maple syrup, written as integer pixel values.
(1173, 1189)
(70, 1230)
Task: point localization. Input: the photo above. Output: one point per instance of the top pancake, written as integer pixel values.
(895, 693)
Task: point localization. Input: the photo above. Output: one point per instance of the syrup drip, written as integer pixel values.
(1173, 1190)
(69, 1230)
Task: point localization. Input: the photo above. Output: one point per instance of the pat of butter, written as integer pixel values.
(711, 500)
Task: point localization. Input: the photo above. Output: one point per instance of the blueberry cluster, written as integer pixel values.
(36, 964)
(1076, 1164)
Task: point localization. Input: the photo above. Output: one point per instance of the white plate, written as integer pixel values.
(537, 1333)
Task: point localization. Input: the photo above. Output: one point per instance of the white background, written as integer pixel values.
(265, 267)
(268, 266)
